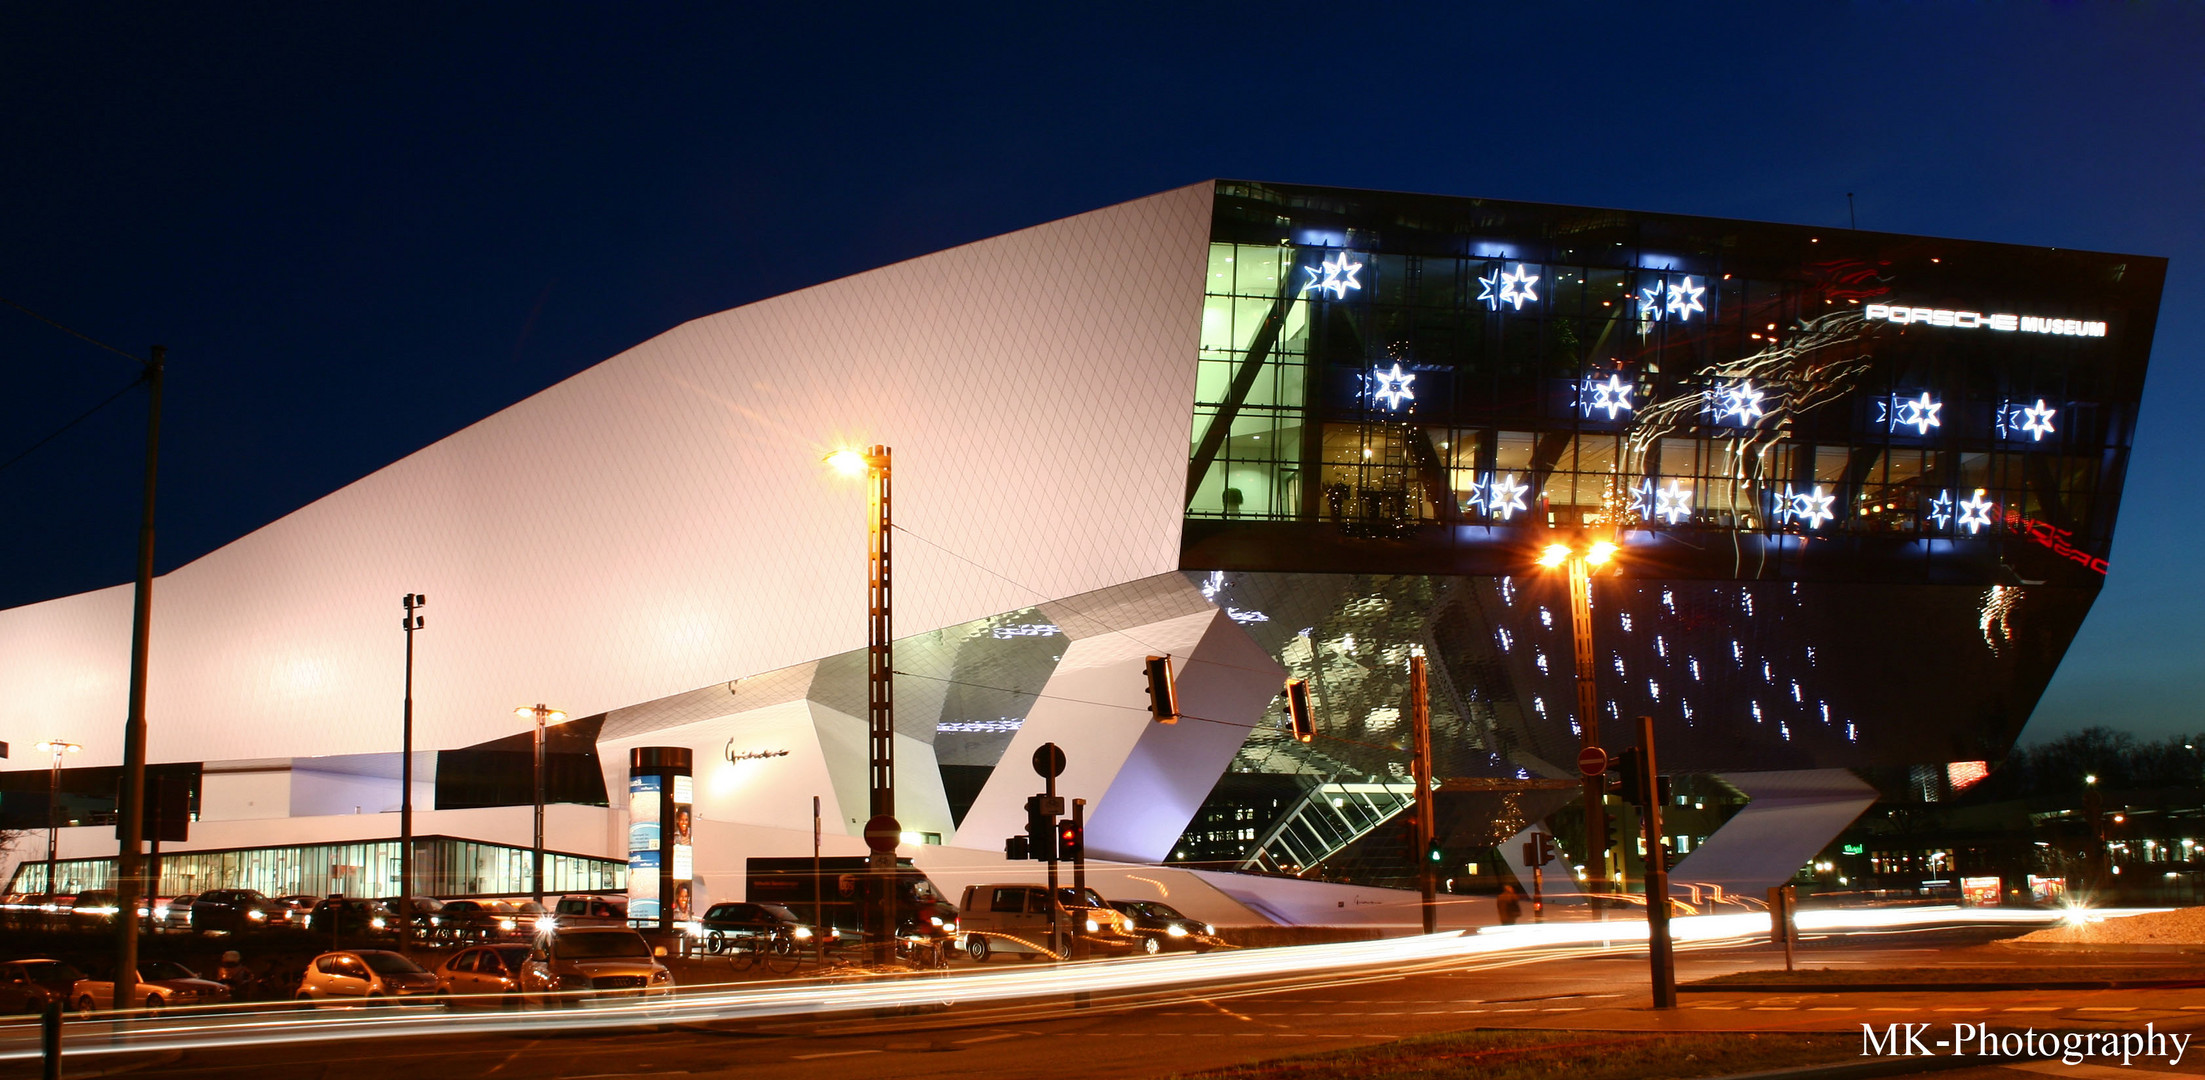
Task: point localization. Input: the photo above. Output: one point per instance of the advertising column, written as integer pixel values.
(659, 846)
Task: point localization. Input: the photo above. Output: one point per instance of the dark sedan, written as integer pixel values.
(27, 986)
(735, 925)
(229, 911)
(1160, 926)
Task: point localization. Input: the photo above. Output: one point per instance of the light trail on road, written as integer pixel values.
(1137, 980)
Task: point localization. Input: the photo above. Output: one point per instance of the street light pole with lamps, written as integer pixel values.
(543, 714)
(53, 805)
(409, 624)
(1581, 561)
(880, 699)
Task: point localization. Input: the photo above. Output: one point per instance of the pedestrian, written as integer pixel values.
(233, 973)
(1510, 904)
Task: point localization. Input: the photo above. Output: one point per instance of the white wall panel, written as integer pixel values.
(661, 521)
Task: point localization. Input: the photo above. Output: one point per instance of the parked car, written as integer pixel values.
(161, 984)
(27, 986)
(422, 911)
(593, 963)
(173, 913)
(487, 975)
(349, 915)
(484, 920)
(1014, 918)
(737, 925)
(219, 911)
(370, 976)
(1160, 926)
(291, 910)
(590, 911)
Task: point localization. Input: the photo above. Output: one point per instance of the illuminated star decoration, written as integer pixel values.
(1673, 503)
(1488, 291)
(1685, 299)
(1917, 413)
(1613, 396)
(1940, 510)
(1516, 287)
(1814, 506)
(1505, 497)
(1975, 514)
(1337, 276)
(1393, 386)
(1739, 400)
(1474, 497)
(1642, 500)
(1649, 303)
(2037, 421)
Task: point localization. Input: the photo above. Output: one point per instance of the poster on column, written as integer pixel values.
(644, 834)
(680, 847)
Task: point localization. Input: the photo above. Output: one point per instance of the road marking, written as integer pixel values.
(2107, 1008)
(987, 1038)
(1832, 1008)
(1891, 1008)
(837, 1053)
(1961, 1008)
(2055, 1008)
(1718, 1008)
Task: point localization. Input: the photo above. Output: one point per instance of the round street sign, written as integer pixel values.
(1049, 760)
(883, 833)
(1592, 761)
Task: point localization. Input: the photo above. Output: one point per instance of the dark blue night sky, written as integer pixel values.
(359, 229)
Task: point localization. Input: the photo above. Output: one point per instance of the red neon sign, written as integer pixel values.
(2054, 538)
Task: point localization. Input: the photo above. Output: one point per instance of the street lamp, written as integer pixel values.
(1581, 559)
(543, 715)
(53, 805)
(410, 623)
(880, 702)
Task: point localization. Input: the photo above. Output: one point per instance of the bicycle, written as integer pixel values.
(777, 952)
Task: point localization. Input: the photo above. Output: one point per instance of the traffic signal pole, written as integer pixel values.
(1420, 713)
(1661, 958)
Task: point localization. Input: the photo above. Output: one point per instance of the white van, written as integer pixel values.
(1014, 918)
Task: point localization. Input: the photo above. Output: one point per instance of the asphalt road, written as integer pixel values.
(1162, 1034)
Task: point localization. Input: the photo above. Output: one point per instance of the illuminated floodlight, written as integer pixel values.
(846, 461)
(1516, 287)
(1506, 497)
(1599, 553)
(1555, 555)
(1489, 290)
(1336, 276)
(1917, 413)
(1393, 386)
(1740, 403)
(1940, 510)
(1612, 397)
(1684, 299)
(1975, 514)
(2037, 421)
(1673, 503)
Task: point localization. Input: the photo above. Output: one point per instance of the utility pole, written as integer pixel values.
(131, 810)
(1661, 958)
(1588, 712)
(410, 623)
(1420, 771)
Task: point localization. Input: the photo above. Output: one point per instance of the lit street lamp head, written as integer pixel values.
(545, 713)
(58, 748)
(1554, 555)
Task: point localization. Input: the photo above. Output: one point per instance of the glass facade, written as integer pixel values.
(443, 866)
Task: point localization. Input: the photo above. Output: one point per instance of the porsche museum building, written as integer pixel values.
(1863, 488)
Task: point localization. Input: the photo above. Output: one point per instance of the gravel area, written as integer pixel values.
(2182, 926)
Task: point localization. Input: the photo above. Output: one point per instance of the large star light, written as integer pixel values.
(1813, 506)
(1642, 501)
(2037, 420)
(1649, 303)
(1393, 386)
(1611, 397)
(1473, 497)
(1336, 276)
(1489, 290)
(1684, 299)
(1505, 497)
(1917, 413)
(1940, 510)
(1975, 514)
(1516, 287)
(1739, 400)
(1673, 503)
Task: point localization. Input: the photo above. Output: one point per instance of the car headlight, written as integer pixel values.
(507, 924)
(1176, 930)
(546, 922)
(376, 922)
(693, 929)
(661, 975)
(1092, 926)
(257, 916)
(1208, 930)
(802, 933)
(161, 912)
(436, 920)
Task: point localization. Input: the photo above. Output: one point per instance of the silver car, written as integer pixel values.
(593, 963)
(365, 976)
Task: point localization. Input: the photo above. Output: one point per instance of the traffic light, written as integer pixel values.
(1607, 837)
(1297, 709)
(1068, 839)
(1017, 847)
(1433, 852)
(1041, 830)
(1631, 764)
(1543, 848)
(1163, 697)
